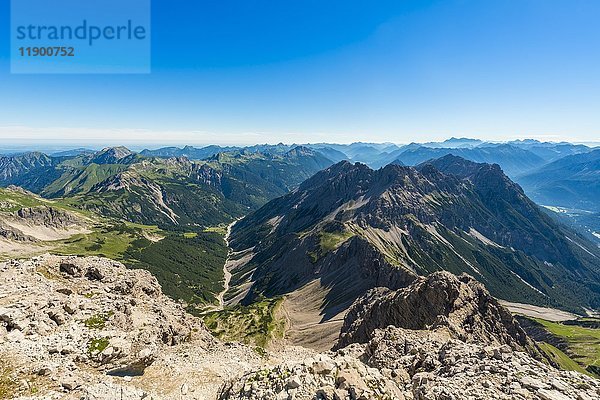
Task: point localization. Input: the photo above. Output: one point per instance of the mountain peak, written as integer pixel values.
(461, 168)
(117, 151)
(459, 304)
(112, 155)
(300, 151)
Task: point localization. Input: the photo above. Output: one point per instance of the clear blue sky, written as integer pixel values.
(229, 71)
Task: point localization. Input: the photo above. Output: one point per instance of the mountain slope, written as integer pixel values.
(382, 228)
(165, 191)
(572, 182)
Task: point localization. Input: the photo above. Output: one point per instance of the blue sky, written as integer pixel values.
(307, 71)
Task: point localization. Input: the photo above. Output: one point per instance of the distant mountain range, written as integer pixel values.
(543, 169)
(350, 228)
(167, 191)
(572, 181)
(516, 157)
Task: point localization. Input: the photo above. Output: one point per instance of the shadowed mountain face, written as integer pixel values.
(36, 168)
(514, 160)
(397, 222)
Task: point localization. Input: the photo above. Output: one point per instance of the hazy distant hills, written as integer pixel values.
(572, 182)
(349, 228)
(513, 160)
(193, 153)
(516, 158)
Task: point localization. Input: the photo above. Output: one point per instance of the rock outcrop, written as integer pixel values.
(402, 364)
(442, 337)
(13, 234)
(64, 317)
(48, 216)
(459, 304)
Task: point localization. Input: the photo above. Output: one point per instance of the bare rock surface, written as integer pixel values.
(402, 364)
(77, 328)
(459, 303)
(89, 328)
(442, 337)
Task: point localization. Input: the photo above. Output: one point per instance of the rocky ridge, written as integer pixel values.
(402, 364)
(89, 328)
(459, 304)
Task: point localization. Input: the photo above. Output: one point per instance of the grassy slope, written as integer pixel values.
(583, 343)
(561, 359)
(256, 324)
(106, 240)
(14, 200)
(11, 201)
(81, 180)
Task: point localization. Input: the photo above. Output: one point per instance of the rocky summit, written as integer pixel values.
(460, 304)
(82, 328)
(89, 328)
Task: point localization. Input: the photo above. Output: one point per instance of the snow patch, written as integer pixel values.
(581, 247)
(528, 284)
(477, 235)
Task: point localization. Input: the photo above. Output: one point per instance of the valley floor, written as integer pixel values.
(549, 314)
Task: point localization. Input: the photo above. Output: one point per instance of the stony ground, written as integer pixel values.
(88, 328)
(420, 365)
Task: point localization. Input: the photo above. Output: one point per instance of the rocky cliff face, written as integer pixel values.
(460, 305)
(48, 216)
(32, 224)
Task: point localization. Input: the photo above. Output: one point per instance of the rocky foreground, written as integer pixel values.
(88, 328)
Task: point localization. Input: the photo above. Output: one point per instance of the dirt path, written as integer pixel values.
(226, 273)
